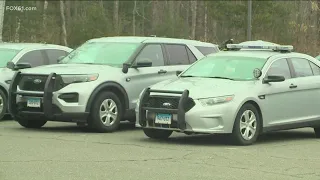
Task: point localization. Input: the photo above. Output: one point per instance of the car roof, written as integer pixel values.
(141, 39)
(20, 46)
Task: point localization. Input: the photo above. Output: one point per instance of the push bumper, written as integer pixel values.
(48, 110)
(184, 104)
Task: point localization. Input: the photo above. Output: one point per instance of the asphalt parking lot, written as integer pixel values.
(64, 151)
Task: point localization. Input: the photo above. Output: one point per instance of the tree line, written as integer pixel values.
(72, 22)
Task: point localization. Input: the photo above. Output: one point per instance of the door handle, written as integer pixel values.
(162, 71)
(293, 86)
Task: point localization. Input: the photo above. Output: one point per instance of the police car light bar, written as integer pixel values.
(275, 47)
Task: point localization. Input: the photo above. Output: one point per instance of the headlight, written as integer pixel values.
(69, 79)
(8, 81)
(216, 100)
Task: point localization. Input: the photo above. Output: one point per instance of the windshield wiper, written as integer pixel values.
(219, 77)
(188, 76)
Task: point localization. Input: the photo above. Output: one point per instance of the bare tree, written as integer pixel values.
(63, 21)
(2, 6)
(194, 18)
(205, 21)
(17, 32)
(44, 18)
(116, 16)
(134, 18)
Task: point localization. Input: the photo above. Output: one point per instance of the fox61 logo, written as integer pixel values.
(14, 8)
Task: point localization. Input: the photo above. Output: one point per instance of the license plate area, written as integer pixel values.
(34, 102)
(163, 118)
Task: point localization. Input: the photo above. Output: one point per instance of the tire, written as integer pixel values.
(250, 130)
(3, 104)
(32, 124)
(157, 133)
(317, 132)
(107, 123)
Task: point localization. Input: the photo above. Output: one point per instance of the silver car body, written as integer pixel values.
(292, 103)
(127, 85)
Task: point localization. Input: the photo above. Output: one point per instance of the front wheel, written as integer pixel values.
(106, 113)
(247, 125)
(28, 123)
(157, 133)
(3, 104)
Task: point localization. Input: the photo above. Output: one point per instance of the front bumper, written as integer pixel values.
(48, 109)
(189, 116)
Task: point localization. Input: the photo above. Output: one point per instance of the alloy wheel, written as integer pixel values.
(108, 112)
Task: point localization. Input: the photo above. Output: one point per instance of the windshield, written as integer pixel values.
(227, 67)
(318, 57)
(7, 55)
(109, 53)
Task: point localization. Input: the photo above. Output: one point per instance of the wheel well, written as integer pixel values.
(4, 90)
(117, 92)
(258, 109)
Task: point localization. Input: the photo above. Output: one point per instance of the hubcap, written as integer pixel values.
(1, 104)
(248, 125)
(108, 112)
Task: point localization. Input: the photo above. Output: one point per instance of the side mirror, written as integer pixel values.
(18, 66)
(143, 63)
(125, 67)
(178, 73)
(60, 58)
(269, 79)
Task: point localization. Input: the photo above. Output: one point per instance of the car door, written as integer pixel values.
(277, 98)
(139, 78)
(179, 58)
(34, 58)
(307, 82)
(54, 54)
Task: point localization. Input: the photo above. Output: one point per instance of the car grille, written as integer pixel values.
(32, 82)
(37, 83)
(167, 102)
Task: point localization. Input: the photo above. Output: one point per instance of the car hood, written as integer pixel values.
(205, 87)
(71, 69)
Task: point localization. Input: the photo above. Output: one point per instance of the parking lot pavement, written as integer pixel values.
(64, 151)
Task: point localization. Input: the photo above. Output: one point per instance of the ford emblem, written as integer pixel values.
(166, 104)
(37, 81)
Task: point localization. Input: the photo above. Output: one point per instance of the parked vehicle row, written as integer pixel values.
(99, 82)
(16, 56)
(165, 85)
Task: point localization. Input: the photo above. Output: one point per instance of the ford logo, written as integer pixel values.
(37, 81)
(166, 104)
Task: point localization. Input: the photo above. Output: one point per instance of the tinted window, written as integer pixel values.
(234, 67)
(177, 54)
(54, 54)
(280, 68)
(192, 58)
(315, 68)
(301, 67)
(35, 58)
(152, 52)
(206, 50)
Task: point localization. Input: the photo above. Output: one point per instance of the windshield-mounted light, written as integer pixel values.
(216, 100)
(70, 79)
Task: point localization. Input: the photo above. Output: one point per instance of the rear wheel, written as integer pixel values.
(28, 123)
(247, 125)
(3, 104)
(106, 113)
(317, 132)
(157, 133)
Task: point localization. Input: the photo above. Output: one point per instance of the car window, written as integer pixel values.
(7, 55)
(152, 52)
(280, 68)
(234, 67)
(315, 68)
(301, 67)
(191, 56)
(54, 54)
(35, 58)
(177, 54)
(206, 50)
